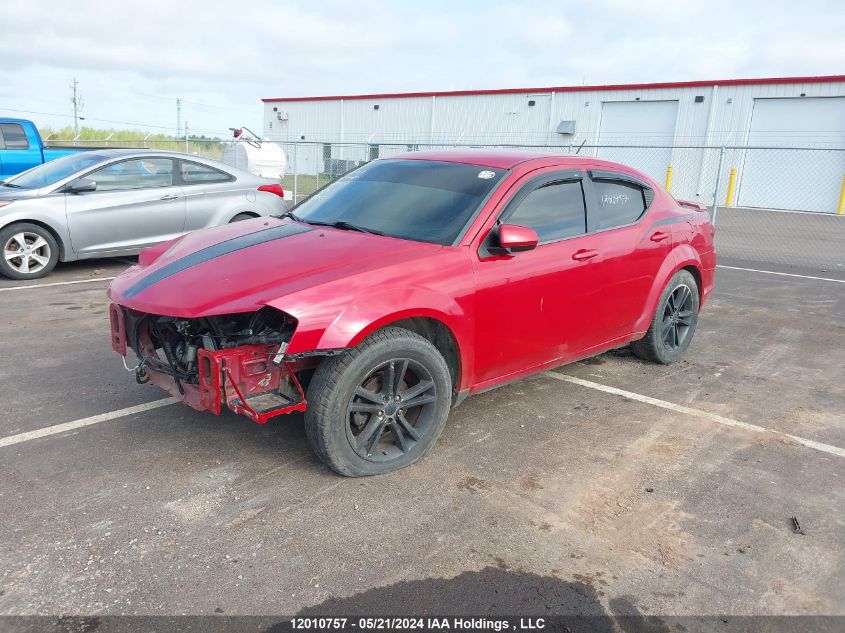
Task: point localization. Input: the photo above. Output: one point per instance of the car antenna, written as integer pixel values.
(578, 151)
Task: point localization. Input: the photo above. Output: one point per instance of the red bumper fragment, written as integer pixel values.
(244, 378)
(118, 329)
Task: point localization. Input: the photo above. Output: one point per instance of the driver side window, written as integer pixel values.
(555, 210)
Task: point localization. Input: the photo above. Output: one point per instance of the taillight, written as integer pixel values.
(277, 189)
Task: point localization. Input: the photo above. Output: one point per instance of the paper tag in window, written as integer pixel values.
(486, 175)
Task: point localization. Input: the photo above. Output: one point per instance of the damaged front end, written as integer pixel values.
(238, 359)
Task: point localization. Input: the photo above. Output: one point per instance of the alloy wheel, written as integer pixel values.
(677, 317)
(26, 252)
(391, 410)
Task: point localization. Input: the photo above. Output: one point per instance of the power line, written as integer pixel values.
(197, 103)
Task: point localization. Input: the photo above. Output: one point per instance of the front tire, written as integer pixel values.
(674, 323)
(380, 406)
(29, 251)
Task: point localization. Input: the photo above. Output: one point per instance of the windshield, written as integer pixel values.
(419, 200)
(56, 170)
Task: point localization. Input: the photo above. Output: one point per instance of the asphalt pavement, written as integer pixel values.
(607, 486)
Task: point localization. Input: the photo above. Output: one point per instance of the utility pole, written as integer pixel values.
(186, 137)
(178, 116)
(76, 100)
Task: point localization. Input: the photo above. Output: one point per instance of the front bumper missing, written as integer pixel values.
(244, 377)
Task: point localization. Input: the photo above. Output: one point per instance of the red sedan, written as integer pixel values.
(388, 296)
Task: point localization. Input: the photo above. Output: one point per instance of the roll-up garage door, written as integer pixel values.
(803, 180)
(649, 123)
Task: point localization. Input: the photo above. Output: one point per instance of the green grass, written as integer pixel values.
(92, 137)
(306, 184)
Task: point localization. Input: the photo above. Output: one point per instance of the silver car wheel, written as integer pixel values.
(26, 252)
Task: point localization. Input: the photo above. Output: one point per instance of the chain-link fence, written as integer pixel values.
(772, 205)
(207, 148)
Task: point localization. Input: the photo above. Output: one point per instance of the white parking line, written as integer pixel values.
(772, 272)
(77, 424)
(671, 406)
(57, 283)
(825, 448)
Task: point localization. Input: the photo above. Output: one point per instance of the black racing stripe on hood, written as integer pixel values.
(216, 250)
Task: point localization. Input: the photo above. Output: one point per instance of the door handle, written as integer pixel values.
(170, 196)
(584, 254)
(659, 236)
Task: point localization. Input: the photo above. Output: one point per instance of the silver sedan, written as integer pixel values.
(108, 203)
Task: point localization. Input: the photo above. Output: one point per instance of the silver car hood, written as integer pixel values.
(10, 193)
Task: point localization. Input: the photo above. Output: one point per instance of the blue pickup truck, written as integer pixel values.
(21, 147)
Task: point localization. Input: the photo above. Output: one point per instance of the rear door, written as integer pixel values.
(211, 195)
(136, 204)
(16, 152)
(630, 250)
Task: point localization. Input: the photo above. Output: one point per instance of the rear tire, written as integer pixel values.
(380, 406)
(241, 217)
(29, 251)
(674, 322)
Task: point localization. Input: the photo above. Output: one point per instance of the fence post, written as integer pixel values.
(669, 178)
(295, 170)
(718, 183)
(841, 208)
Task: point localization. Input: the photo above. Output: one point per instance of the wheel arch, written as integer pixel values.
(436, 317)
(438, 334)
(695, 271)
(681, 258)
(432, 325)
(250, 213)
(63, 249)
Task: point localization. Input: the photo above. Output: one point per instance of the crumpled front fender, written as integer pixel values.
(332, 323)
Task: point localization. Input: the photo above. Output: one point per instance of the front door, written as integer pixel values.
(533, 307)
(136, 204)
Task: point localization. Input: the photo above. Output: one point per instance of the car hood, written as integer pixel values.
(242, 266)
(11, 193)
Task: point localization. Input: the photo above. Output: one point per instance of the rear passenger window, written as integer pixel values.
(194, 173)
(13, 135)
(617, 203)
(555, 211)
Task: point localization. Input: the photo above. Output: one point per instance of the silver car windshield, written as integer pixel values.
(56, 170)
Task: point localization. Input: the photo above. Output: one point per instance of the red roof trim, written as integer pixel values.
(499, 91)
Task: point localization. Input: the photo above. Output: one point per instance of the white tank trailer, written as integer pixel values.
(249, 152)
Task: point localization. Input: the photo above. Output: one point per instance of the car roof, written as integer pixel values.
(139, 151)
(500, 158)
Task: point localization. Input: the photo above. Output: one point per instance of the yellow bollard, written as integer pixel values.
(729, 198)
(669, 178)
(841, 208)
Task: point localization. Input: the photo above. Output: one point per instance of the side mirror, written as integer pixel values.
(517, 239)
(81, 186)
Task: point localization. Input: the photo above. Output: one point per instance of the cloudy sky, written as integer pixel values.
(132, 60)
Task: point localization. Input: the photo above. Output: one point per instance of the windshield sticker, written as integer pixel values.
(486, 175)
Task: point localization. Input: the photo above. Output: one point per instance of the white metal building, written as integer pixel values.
(650, 126)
